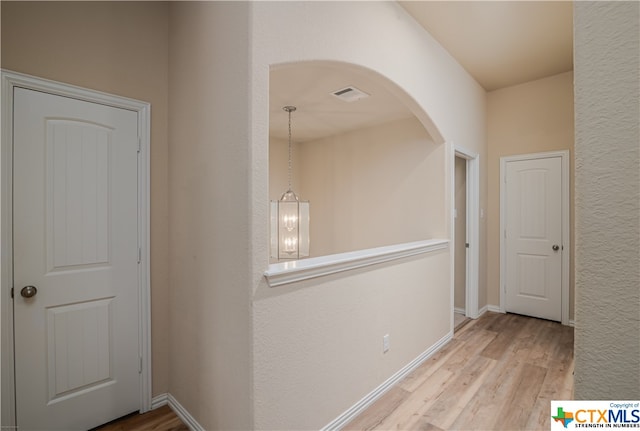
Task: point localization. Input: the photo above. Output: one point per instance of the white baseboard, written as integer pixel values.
(181, 412)
(572, 323)
(370, 398)
(489, 307)
(459, 310)
(184, 415)
(159, 401)
(494, 309)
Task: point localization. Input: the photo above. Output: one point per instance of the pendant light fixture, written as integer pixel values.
(289, 219)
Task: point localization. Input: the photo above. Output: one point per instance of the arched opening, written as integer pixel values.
(374, 168)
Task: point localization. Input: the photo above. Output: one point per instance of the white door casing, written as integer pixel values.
(534, 236)
(473, 228)
(460, 249)
(80, 236)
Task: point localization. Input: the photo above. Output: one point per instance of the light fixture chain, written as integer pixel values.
(289, 110)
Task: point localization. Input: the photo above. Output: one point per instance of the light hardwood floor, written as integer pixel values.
(499, 372)
(459, 320)
(160, 419)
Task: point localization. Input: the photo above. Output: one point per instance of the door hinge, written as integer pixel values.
(140, 366)
(139, 254)
(12, 293)
(139, 144)
(466, 244)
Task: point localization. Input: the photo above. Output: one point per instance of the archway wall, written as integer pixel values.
(317, 345)
(373, 187)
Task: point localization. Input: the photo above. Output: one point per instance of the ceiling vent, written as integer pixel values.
(350, 94)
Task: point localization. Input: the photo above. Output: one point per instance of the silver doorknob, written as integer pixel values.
(555, 247)
(28, 291)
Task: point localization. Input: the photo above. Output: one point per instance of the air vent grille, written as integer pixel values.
(350, 94)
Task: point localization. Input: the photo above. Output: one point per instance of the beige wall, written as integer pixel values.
(279, 168)
(320, 342)
(223, 323)
(460, 265)
(529, 118)
(607, 90)
(119, 48)
(210, 232)
(373, 187)
(322, 338)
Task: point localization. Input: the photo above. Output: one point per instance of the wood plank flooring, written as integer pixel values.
(459, 320)
(499, 372)
(160, 419)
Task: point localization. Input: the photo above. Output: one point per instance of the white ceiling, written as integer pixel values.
(308, 86)
(500, 43)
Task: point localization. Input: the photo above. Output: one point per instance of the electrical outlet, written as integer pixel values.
(385, 343)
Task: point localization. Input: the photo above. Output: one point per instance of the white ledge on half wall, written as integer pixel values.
(283, 273)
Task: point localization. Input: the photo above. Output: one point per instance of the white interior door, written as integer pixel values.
(76, 241)
(534, 237)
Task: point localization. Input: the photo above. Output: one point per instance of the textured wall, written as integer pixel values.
(319, 342)
(321, 338)
(279, 168)
(209, 164)
(372, 187)
(607, 80)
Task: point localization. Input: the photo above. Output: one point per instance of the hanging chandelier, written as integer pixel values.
(289, 219)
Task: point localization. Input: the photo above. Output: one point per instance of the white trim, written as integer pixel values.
(183, 414)
(482, 311)
(458, 310)
(374, 395)
(143, 109)
(449, 190)
(180, 411)
(7, 387)
(566, 235)
(566, 244)
(572, 323)
(473, 228)
(283, 273)
(493, 309)
(159, 401)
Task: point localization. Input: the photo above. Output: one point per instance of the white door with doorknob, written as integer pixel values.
(533, 237)
(76, 257)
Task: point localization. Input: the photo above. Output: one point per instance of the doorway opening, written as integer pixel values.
(465, 226)
(460, 247)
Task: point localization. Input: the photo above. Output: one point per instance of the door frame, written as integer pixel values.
(473, 228)
(565, 222)
(10, 80)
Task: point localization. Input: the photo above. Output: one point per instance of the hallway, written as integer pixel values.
(499, 372)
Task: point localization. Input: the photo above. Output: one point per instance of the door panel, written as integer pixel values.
(75, 240)
(534, 226)
(78, 196)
